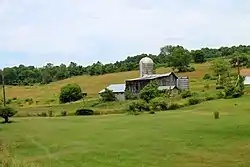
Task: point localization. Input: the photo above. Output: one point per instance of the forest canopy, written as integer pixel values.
(28, 75)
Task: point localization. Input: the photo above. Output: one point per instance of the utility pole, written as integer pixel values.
(3, 84)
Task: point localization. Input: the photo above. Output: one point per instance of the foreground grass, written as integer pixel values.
(184, 138)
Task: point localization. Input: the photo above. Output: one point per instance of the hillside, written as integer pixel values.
(93, 84)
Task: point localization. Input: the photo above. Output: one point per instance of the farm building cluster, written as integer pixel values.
(167, 81)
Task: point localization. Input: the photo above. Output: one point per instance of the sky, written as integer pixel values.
(36, 32)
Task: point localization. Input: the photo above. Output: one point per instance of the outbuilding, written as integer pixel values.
(246, 74)
(118, 90)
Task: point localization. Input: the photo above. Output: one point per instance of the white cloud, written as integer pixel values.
(109, 30)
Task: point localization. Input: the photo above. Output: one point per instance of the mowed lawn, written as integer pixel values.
(183, 138)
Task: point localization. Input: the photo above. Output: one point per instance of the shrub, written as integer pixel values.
(194, 100)
(190, 69)
(64, 113)
(107, 95)
(210, 97)
(29, 100)
(14, 98)
(220, 95)
(151, 112)
(83, 111)
(9, 101)
(216, 115)
(207, 77)
(219, 87)
(186, 94)
(70, 93)
(173, 106)
(43, 114)
(50, 113)
(138, 105)
(149, 92)
(6, 113)
(159, 103)
(130, 96)
(207, 86)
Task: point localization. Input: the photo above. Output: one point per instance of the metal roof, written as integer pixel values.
(149, 77)
(116, 88)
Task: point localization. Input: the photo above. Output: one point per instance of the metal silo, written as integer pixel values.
(146, 66)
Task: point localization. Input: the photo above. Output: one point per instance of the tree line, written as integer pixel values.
(177, 57)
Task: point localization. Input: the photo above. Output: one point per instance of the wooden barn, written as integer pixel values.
(169, 80)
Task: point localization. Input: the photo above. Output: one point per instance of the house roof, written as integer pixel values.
(245, 72)
(116, 88)
(150, 77)
(167, 87)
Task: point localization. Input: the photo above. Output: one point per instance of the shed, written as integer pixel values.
(118, 90)
(246, 74)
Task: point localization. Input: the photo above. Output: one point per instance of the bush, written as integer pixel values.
(138, 105)
(107, 95)
(70, 93)
(190, 69)
(220, 95)
(219, 87)
(43, 114)
(216, 115)
(83, 111)
(50, 113)
(130, 96)
(207, 77)
(29, 100)
(9, 101)
(173, 106)
(6, 113)
(149, 92)
(207, 86)
(151, 112)
(159, 103)
(194, 101)
(210, 97)
(64, 113)
(185, 94)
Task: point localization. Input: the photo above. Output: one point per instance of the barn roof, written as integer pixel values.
(150, 77)
(245, 72)
(116, 88)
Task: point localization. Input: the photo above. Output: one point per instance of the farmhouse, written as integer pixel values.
(246, 74)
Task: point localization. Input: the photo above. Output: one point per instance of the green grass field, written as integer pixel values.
(190, 137)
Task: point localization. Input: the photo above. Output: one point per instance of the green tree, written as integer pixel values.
(221, 69)
(70, 93)
(179, 58)
(149, 92)
(198, 56)
(107, 95)
(6, 113)
(240, 59)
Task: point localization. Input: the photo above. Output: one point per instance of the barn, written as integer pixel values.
(168, 81)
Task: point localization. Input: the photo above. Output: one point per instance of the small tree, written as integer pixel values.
(149, 92)
(6, 113)
(108, 95)
(70, 93)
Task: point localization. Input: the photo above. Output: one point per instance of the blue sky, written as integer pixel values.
(35, 32)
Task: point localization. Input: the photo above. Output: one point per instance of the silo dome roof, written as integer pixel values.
(146, 60)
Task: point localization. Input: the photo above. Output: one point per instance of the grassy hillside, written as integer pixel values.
(93, 84)
(183, 138)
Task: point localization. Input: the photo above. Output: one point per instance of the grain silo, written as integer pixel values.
(146, 66)
(183, 83)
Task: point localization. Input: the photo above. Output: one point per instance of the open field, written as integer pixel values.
(183, 138)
